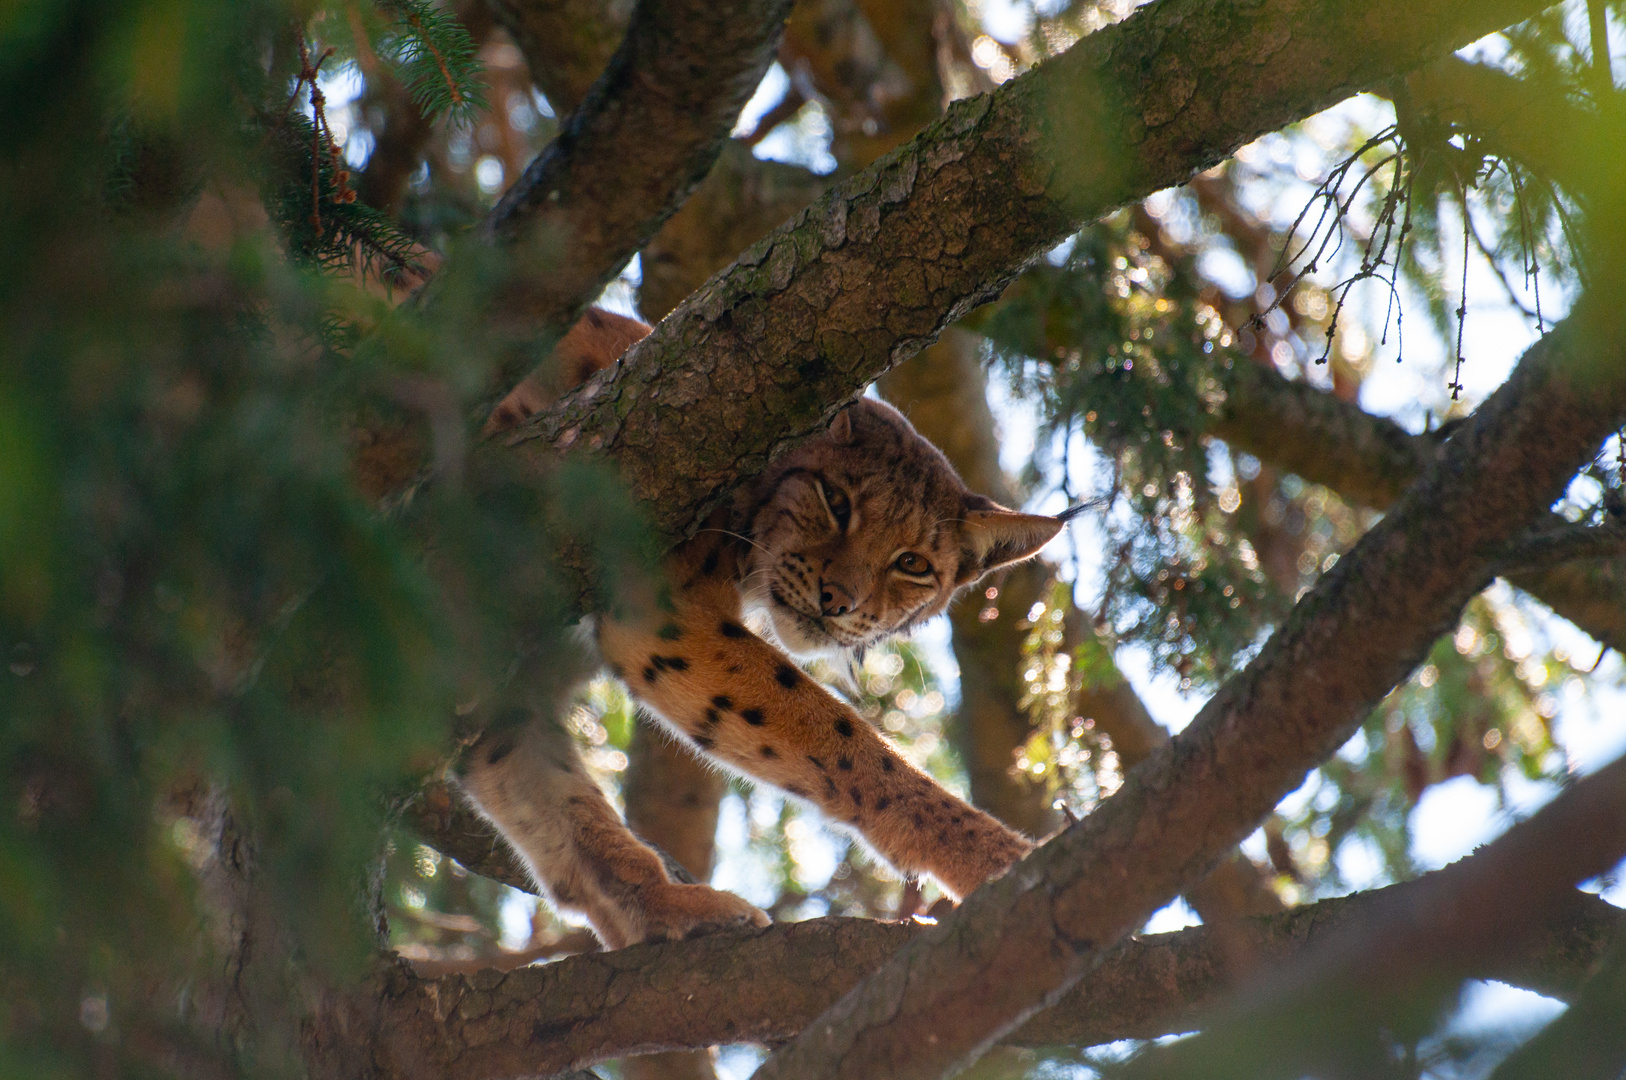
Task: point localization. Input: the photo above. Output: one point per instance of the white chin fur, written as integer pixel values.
(798, 638)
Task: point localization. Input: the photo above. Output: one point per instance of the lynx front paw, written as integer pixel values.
(990, 851)
(678, 911)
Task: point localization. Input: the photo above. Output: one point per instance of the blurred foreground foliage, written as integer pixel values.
(195, 592)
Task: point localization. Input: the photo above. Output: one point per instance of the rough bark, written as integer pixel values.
(740, 202)
(872, 272)
(766, 986)
(644, 136)
(1014, 946)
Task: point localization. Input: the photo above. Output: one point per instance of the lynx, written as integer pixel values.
(861, 533)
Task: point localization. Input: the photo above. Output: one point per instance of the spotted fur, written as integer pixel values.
(859, 534)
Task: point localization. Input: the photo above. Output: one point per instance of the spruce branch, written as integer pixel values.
(434, 57)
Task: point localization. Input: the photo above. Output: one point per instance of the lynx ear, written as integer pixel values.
(841, 428)
(596, 341)
(996, 538)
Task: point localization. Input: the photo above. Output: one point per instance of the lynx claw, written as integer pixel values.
(683, 911)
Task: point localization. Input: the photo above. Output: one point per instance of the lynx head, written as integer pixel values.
(866, 530)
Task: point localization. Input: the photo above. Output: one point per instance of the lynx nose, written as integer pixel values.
(835, 599)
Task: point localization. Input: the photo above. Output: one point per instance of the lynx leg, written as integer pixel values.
(739, 699)
(530, 783)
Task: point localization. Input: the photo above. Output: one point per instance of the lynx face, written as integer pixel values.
(866, 531)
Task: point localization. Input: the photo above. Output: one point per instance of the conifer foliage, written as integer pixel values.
(434, 57)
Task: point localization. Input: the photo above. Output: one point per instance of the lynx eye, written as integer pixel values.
(840, 507)
(911, 563)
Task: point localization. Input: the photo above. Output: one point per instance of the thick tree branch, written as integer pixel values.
(1409, 950)
(1541, 550)
(566, 43)
(875, 270)
(645, 135)
(1014, 945)
(767, 985)
(740, 202)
